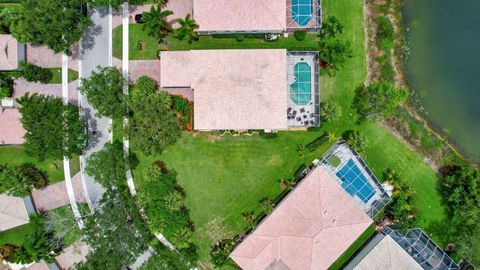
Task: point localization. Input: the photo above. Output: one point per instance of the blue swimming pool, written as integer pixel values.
(302, 11)
(354, 182)
(300, 90)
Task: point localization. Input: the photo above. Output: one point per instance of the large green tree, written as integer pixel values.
(187, 29)
(156, 23)
(378, 99)
(104, 90)
(333, 51)
(152, 124)
(108, 166)
(57, 24)
(53, 129)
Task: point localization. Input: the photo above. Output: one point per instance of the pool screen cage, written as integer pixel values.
(310, 57)
(296, 20)
(344, 152)
(422, 249)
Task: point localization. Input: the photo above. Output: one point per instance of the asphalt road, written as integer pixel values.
(95, 47)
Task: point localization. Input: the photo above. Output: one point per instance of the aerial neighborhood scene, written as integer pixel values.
(239, 134)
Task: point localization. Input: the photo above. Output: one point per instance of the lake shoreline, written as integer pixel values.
(451, 151)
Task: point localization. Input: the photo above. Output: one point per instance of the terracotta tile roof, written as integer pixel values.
(13, 212)
(310, 229)
(240, 15)
(233, 89)
(8, 52)
(11, 129)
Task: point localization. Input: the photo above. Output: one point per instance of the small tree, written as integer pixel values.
(6, 86)
(356, 140)
(182, 238)
(330, 111)
(104, 90)
(300, 35)
(53, 129)
(220, 251)
(267, 205)
(330, 27)
(378, 99)
(187, 29)
(333, 53)
(33, 73)
(156, 24)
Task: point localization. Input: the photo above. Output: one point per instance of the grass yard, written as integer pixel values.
(151, 49)
(57, 75)
(15, 155)
(16, 235)
(225, 176)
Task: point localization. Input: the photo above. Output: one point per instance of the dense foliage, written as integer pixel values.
(461, 191)
(385, 33)
(379, 99)
(164, 204)
(6, 86)
(300, 34)
(53, 129)
(356, 140)
(330, 111)
(41, 244)
(333, 51)
(152, 124)
(187, 29)
(20, 180)
(182, 106)
(221, 250)
(34, 73)
(104, 90)
(57, 24)
(156, 24)
(109, 165)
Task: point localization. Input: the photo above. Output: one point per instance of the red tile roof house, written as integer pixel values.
(312, 227)
(254, 16)
(11, 128)
(11, 52)
(240, 89)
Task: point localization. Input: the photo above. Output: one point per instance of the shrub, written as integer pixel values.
(33, 73)
(8, 251)
(330, 111)
(20, 180)
(6, 87)
(182, 106)
(37, 177)
(385, 33)
(239, 37)
(221, 250)
(139, 45)
(314, 145)
(300, 34)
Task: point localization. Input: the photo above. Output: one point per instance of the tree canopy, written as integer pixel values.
(378, 99)
(333, 51)
(152, 124)
(104, 90)
(57, 24)
(156, 23)
(53, 129)
(20, 180)
(107, 165)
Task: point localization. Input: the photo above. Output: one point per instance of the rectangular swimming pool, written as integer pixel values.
(302, 11)
(300, 90)
(354, 182)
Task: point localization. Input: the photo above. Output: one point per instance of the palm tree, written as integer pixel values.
(287, 184)
(332, 136)
(187, 29)
(156, 24)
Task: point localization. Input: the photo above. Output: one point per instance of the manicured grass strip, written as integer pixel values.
(57, 75)
(117, 129)
(16, 235)
(361, 241)
(15, 155)
(74, 165)
(151, 47)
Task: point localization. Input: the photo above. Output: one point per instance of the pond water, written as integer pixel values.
(444, 65)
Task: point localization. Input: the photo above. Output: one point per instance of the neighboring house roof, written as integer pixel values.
(73, 254)
(387, 255)
(13, 212)
(233, 89)
(310, 229)
(240, 15)
(11, 131)
(8, 52)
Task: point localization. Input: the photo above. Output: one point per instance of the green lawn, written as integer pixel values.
(16, 235)
(66, 225)
(15, 155)
(57, 75)
(225, 176)
(151, 49)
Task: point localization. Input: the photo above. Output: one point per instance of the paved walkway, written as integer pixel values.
(43, 56)
(55, 195)
(21, 87)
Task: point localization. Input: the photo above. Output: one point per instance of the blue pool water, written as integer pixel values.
(302, 11)
(354, 182)
(300, 90)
